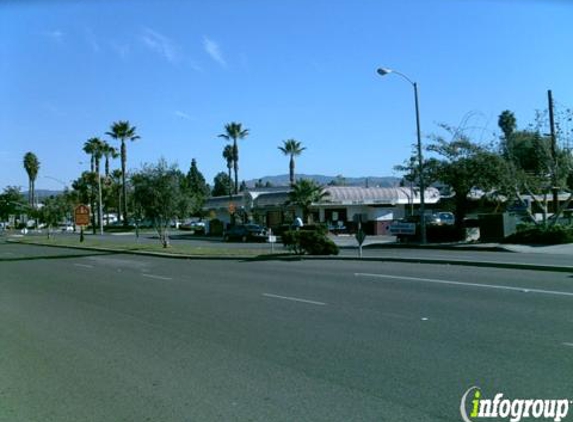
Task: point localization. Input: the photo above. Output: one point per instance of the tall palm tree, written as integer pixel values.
(235, 131)
(293, 148)
(228, 156)
(109, 152)
(32, 166)
(95, 147)
(122, 131)
(304, 193)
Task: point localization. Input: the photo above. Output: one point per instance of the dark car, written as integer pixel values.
(245, 233)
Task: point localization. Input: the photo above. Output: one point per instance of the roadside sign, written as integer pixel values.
(360, 236)
(82, 215)
(403, 228)
(272, 239)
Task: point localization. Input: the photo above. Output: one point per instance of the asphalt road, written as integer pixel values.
(111, 337)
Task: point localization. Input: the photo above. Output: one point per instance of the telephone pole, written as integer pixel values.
(554, 187)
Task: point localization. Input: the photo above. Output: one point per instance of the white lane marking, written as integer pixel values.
(84, 265)
(294, 299)
(459, 283)
(568, 344)
(158, 277)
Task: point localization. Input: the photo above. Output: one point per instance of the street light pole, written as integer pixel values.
(382, 72)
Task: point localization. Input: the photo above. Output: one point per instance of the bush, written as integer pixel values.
(540, 235)
(216, 227)
(312, 242)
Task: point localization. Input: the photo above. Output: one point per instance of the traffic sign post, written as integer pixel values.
(82, 218)
(360, 236)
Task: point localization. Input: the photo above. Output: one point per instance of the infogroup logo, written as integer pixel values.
(515, 410)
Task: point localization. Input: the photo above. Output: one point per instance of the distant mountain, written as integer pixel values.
(372, 181)
(43, 193)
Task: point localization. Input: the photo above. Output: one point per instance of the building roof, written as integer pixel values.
(338, 195)
(358, 195)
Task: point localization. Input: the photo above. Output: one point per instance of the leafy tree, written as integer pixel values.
(243, 186)
(159, 191)
(291, 148)
(56, 209)
(235, 131)
(304, 193)
(123, 131)
(532, 168)
(198, 187)
(464, 165)
(221, 184)
(32, 167)
(12, 202)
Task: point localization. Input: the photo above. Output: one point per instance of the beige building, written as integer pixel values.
(377, 207)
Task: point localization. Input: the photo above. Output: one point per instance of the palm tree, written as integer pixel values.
(108, 152)
(304, 193)
(122, 131)
(293, 148)
(32, 166)
(228, 155)
(235, 131)
(95, 147)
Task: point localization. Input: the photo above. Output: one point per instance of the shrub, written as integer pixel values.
(312, 242)
(216, 227)
(541, 235)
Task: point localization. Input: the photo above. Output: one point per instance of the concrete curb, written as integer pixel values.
(290, 257)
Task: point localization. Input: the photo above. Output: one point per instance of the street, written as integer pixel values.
(88, 336)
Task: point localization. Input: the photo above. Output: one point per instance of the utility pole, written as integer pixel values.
(554, 187)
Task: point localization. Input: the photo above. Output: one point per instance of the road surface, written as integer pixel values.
(109, 337)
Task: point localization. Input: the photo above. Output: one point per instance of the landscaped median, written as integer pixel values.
(178, 250)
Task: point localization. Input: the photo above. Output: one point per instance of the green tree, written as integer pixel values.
(159, 191)
(198, 187)
(507, 123)
(123, 132)
(110, 153)
(234, 131)
(56, 209)
(12, 203)
(304, 193)
(464, 165)
(291, 148)
(228, 156)
(32, 167)
(221, 184)
(96, 148)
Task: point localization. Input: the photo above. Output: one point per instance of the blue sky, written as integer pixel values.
(179, 70)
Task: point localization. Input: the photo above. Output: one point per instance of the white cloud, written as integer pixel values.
(183, 115)
(213, 50)
(56, 35)
(161, 45)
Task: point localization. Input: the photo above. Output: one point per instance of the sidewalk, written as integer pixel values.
(381, 242)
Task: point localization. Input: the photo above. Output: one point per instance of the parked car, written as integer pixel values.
(245, 232)
(446, 218)
(196, 226)
(68, 227)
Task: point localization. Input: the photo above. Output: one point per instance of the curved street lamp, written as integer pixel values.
(382, 71)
